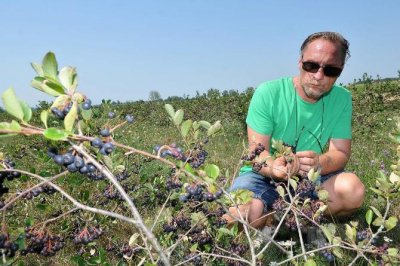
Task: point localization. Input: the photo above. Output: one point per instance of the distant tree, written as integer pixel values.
(154, 96)
(213, 94)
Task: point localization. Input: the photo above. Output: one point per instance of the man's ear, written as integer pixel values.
(299, 63)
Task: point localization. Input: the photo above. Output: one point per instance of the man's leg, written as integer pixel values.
(346, 194)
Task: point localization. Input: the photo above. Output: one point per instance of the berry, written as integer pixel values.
(79, 163)
(57, 112)
(111, 114)
(98, 143)
(107, 148)
(59, 159)
(105, 132)
(129, 118)
(68, 158)
(87, 104)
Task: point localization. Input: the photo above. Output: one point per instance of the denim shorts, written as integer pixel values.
(264, 188)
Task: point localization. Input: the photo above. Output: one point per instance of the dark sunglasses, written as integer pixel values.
(329, 71)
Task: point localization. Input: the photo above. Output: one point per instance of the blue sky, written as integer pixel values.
(125, 49)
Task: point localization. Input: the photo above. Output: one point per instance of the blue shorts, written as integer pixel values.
(264, 188)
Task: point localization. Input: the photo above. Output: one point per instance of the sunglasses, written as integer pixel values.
(329, 71)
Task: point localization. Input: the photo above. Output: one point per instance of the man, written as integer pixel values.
(307, 112)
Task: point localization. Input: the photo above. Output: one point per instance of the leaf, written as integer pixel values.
(185, 127)
(61, 101)
(376, 211)
(70, 118)
(26, 110)
(12, 104)
(392, 252)
(205, 124)
(350, 233)
(14, 126)
(42, 207)
(337, 251)
(225, 231)
(281, 191)
(368, 216)
(40, 84)
(214, 128)
(38, 69)
(133, 239)
(44, 115)
(293, 183)
(108, 162)
(323, 195)
(310, 262)
(55, 134)
(394, 178)
(378, 221)
(50, 66)
(67, 78)
(212, 171)
(170, 110)
(376, 191)
(87, 114)
(178, 117)
(390, 223)
(329, 230)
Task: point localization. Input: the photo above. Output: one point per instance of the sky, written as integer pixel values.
(124, 49)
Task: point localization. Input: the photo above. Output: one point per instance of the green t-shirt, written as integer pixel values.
(278, 111)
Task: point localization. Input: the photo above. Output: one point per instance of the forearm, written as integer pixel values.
(332, 161)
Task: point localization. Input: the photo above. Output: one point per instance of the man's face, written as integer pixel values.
(324, 53)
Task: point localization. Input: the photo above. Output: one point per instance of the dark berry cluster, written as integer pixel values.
(7, 247)
(87, 235)
(169, 227)
(201, 238)
(305, 189)
(110, 192)
(127, 251)
(254, 153)
(194, 259)
(279, 206)
(42, 242)
(309, 210)
(327, 254)
(122, 175)
(61, 112)
(182, 222)
(198, 158)
(106, 147)
(9, 174)
(75, 163)
(197, 193)
(36, 191)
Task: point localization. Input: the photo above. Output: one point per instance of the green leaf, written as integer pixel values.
(281, 191)
(212, 171)
(376, 191)
(368, 216)
(61, 101)
(310, 262)
(329, 231)
(41, 84)
(108, 162)
(87, 114)
(185, 127)
(323, 195)
(55, 134)
(26, 110)
(391, 223)
(376, 211)
(42, 207)
(293, 183)
(15, 126)
(378, 221)
(133, 239)
(68, 77)
(350, 233)
(38, 69)
(178, 117)
(392, 252)
(225, 231)
(337, 251)
(170, 110)
(71, 117)
(50, 66)
(12, 105)
(394, 178)
(44, 115)
(214, 128)
(205, 124)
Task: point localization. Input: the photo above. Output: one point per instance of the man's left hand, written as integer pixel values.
(308, 160)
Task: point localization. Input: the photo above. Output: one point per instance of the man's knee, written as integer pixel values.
(350, 188)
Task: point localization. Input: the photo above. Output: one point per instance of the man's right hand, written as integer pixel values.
(282, 167)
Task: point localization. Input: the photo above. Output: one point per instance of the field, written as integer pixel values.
(375, 106)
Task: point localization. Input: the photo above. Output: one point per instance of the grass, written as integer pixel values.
(375, 105)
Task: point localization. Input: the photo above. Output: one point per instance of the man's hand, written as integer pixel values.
(307, 160)
(282, 167)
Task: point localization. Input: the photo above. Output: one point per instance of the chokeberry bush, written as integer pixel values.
(86, 197)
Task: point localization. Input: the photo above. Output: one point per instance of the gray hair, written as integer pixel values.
(333, 37)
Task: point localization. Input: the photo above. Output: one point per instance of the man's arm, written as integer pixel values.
(334, 159)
